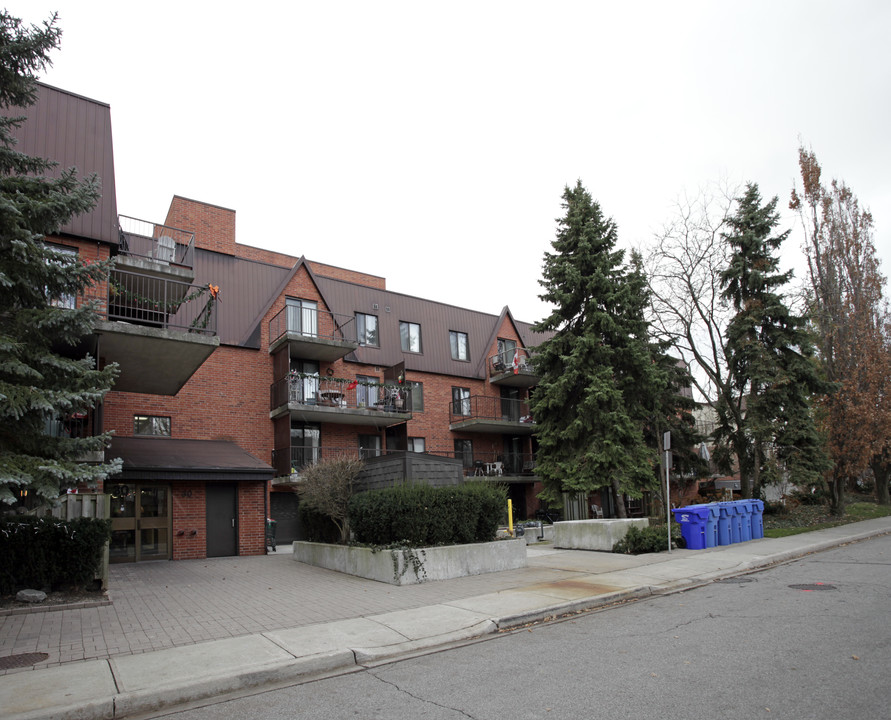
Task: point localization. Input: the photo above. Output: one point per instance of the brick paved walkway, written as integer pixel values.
(165, 604)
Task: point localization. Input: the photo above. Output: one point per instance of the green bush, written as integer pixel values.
(422, 515)
(49, 554)
(648, 540)
(316, 526)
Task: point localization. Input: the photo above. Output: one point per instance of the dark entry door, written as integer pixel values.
(222, 528)
(283, 506)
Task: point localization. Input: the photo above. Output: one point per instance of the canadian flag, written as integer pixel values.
(516, 362)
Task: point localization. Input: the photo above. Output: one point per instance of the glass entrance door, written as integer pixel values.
(140, 522)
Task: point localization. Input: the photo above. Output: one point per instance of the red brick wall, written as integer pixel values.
(189, 515)
(214, 226)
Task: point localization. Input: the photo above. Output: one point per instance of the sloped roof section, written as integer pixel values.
(436, 320)
(73, 131)
(161, 458)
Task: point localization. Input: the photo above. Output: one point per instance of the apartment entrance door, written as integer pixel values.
(222, 529)
(140, 522)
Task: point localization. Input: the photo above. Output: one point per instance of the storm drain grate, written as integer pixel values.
(810, 587)
(21, 660)
(736, 580)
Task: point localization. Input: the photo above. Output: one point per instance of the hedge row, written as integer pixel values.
(48, 553)
(422, 515)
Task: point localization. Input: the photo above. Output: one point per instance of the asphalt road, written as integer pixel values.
(807, 640)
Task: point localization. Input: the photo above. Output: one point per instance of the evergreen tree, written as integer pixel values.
(598, 379)
(770, 358)
(41, 378)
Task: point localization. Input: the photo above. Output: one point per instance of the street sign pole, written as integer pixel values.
(666, 442)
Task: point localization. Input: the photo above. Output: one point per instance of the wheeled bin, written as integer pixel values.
(725, 516)
(270, 533)
(699, 525)
(757, 512)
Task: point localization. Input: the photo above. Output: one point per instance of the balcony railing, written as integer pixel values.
(511, 362)
(312, 324)
(486, 408)
(158, 302)
(161, 243)
(291, 461)
(305, 389)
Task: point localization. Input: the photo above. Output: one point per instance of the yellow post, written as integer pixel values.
(510, 517)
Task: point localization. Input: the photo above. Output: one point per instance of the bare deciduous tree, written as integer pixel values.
(327, 487)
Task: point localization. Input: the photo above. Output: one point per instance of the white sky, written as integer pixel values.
(430, 142)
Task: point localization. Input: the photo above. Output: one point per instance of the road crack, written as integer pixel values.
(420, 699)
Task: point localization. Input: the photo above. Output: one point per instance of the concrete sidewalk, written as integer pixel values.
(179, 632)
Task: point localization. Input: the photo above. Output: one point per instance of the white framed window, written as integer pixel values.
(459, 345)
(410, 336)
(303, 316)
(65, 256)
(416, 444)
(366, 330)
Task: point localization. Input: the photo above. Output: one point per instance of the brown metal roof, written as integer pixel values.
(159, 458)
(247, 289)
(73, 131)
(436, 320)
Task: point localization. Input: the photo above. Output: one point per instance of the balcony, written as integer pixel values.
(312, 334)
(484, 414)
(158, 245)
(158, 330)
(494, 465)
(311, 398)
(512, 368)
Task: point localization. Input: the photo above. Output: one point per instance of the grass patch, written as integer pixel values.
(806, 518)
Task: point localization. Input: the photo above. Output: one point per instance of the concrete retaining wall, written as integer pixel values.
(593, 534)
(409, 566)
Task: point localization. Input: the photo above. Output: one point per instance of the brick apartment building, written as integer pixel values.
(240, 366)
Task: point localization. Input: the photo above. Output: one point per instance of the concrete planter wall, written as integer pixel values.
(594, 534)
(409, 566)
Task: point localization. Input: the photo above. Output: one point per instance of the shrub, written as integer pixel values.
(422, 515)
(316, 526)
(48, 553)
(648, 540)
(327, 487)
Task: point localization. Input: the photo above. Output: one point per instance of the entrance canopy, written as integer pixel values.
(163, 459)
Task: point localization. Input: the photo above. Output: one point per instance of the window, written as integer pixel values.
(464, 452)
(366, 390)
(366, 329)
(416, 444)
(369, 446)
(458, 343)
(506, 350)
(303, 317)
(460, 401)
(303, 386)
(151, 425)
(65, 256)
(417, 396)
(305, 445)
(410, 335)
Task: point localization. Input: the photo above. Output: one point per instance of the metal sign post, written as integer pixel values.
(666, 443)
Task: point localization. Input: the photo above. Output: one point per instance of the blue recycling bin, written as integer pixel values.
(725, 515)
(745, 520)
(699, 525)
(735, 522)
(757, 518)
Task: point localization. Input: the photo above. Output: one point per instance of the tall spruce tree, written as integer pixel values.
(770, 358)
(598, 379)
(41, 378)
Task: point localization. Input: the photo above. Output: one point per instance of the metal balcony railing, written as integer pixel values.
(517, 359)
(158, 302)
(483, 407)
(161, 243)
(312, 324)
(306, 389)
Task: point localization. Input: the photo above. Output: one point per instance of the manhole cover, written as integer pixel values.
(736, 581)
(810, 587)
(22, 660)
